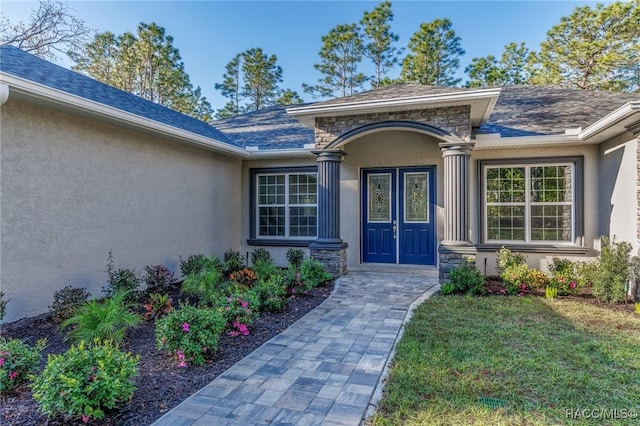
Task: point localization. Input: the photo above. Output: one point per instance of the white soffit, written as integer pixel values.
(481, 101)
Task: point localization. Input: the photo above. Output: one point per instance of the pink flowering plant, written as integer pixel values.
(563, 276)
(85, 381)
(241, 306)
(190, 334)
(17, 361)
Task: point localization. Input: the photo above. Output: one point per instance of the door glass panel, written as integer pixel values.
(380, 198)
(416, 201)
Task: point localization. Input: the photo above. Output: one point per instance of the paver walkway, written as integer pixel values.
(324, 369)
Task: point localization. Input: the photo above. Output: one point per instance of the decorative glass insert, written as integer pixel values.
(529, 203)
(380, 198)
(287, 205)
(416, 197)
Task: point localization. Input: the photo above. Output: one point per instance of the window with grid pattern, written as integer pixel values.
(287, 205)
(529, 203)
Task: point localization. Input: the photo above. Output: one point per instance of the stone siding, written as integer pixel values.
(456, 120)
(450, 259)
(335, 261)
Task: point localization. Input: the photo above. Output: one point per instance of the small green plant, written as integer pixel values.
(106, 319)
(3, 306)
(295, 257)
(272, 293)
(66, 302)
(466, 279)
(17, 362)
(85, 381)
(551, 292)
(265, 270)
(261, 254)
(206, 286)
(158, 278)
(507, 258)
(233, 261)
(190, 333)
(121, 280)
(312, 274)
(158, 306)
(194, 264)
(447, 288)
(609, 282)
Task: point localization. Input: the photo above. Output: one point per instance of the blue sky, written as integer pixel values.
(209, 33)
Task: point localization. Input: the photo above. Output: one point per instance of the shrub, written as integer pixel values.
(241, 305)
(193, 265)
(66, 302)
(157, 306)
(158, 278)
(312, 274)
(467, 279)
(516, 277)
(233, 261)
(206, 285)
(245, 277)
(3, 306)
(635, 275)
(265, 270)
(106, 319)
(609, 282)
(261, 254)
(190, 333)
(17, 362)
(563, 276)
(295, 257)
(507, 258)
(121, 280)
(272, 293)
(447, 288)
(85, 381)
(539, 279)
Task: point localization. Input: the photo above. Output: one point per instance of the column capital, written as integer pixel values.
(329, 154)
(456, 148)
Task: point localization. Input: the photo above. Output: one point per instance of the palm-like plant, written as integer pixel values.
(106, 319)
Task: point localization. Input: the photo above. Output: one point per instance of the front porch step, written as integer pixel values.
(395, 268)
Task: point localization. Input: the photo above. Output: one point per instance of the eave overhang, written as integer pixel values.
(481, 101)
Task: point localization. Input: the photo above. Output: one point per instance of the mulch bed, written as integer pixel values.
(161, 384)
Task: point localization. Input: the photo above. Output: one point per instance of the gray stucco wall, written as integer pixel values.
(74, 188)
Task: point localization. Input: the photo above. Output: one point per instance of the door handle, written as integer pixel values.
(395, 229)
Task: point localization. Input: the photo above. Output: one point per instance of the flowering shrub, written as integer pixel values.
(271, 293)
(85, 381)
(240, 306)
(189, 333)
(66, 302)
(158, 278)
(539, 279)
(506, 258)
(17, 361)
(517, 278)
(563, 276)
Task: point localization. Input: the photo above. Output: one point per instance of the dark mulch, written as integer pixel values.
(161, 385)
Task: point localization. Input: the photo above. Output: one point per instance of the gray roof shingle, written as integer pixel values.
(24, 65)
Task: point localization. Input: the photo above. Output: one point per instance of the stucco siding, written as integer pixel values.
(618, 184)
(74, 188)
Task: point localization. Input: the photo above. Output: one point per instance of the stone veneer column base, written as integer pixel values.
(452, 256)
(333, 259)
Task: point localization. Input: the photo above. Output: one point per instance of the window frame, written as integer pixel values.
(577, 208)
(286, 240)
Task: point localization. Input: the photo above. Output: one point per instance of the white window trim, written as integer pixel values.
(528, 203)
(286, 206)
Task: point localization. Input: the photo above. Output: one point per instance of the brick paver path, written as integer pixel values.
(324, 369)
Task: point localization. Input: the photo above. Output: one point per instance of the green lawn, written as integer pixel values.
(542, 359)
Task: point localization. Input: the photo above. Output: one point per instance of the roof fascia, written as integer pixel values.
(485, 98)
(281, 153)
(518, 142)
(611, 124)
(59, 97)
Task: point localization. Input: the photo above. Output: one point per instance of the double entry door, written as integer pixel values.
(398, 224)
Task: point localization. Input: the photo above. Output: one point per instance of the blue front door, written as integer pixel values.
(398, 215)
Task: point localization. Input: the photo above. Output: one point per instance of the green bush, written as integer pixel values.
(194, 264)
(295, 257)
(66, 302)
(158, 278)
(635, 275)
(261, 254)
(466, 279)
(507, 258)
(271, 293)
(3, 306)
(206, 286)
(122, 280)
(609, 282)
(241, 305)
(447, 288)
(85, 381)
(233, 261)
(17, 362)
(312, 274)
(190, 333)
(106, 319)
(265, 270)
(516, 278)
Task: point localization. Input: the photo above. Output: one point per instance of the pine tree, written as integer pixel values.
(378, 37)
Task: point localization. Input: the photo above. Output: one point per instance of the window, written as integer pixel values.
(530, 203)
(286, 204)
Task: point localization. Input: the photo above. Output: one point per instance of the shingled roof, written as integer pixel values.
(268, 128)
(23, 65)
(394, 91)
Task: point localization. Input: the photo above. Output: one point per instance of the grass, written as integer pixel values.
(513, 361)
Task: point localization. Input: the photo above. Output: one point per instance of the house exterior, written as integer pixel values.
(405, 174)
